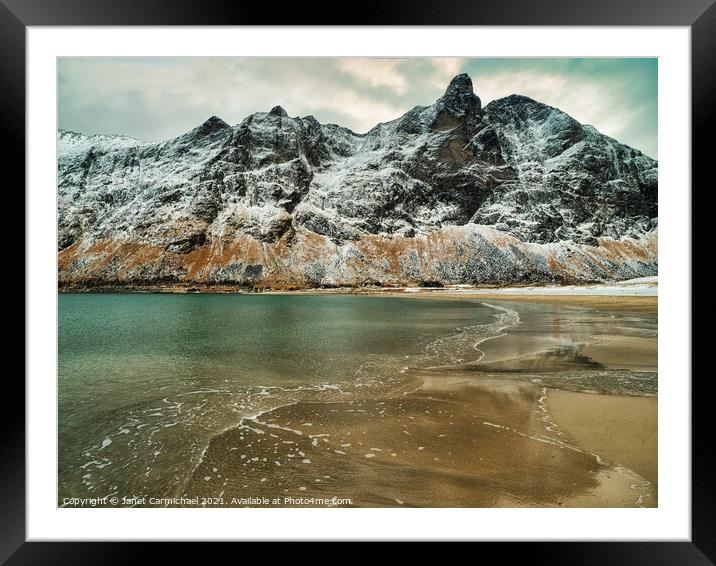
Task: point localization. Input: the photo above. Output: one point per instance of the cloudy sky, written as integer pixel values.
(158, 98)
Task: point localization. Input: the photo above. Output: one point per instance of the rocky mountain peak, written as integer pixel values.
(209, 126)
(460, 85)
(278, 111)
(458, 101)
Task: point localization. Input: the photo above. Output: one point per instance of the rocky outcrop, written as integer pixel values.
(516, 191)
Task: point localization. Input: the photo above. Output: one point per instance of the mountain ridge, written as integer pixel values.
(515, 191)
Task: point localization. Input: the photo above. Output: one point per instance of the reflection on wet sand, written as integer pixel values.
(521, 426)
(451, 443)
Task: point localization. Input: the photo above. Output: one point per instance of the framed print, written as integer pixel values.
(408, 277)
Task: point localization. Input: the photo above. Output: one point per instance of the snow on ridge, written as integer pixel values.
(72, 144)
(522, 182)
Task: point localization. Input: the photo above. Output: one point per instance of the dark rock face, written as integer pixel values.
(212, 125)
(569, 181)
(526, 169)
(278, 111)
(459, 103)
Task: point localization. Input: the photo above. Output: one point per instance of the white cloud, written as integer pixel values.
(376, 72)
(446, 68)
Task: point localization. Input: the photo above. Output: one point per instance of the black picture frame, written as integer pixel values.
(17, 15)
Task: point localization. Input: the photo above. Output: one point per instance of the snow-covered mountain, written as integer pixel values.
(72, 144)
(516, 191)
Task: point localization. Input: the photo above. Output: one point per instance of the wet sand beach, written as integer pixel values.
(623, 303)
(425, 399)
(558, 410)
(454, 445)
(637, 353)
(620, 429)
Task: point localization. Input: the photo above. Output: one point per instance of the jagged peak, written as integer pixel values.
(63, 132)
(520, 100)
(278, 111)
(214, 122)
(522, 108)
(460, 85)
(459, 96)
(458, 101)
(209, 126)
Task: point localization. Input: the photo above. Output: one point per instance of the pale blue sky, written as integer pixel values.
(159, 98)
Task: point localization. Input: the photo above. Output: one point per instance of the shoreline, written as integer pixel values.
(451, 440)
(640, 299)
(645, 286)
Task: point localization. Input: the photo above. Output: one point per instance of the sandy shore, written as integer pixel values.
(623, 303)
(624, 352)
(506, 431)
(452, 443)
(622, 430)
(500, 432)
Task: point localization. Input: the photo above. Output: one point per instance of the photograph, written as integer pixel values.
(340, 282)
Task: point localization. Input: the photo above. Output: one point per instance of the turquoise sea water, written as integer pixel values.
(145, 380)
